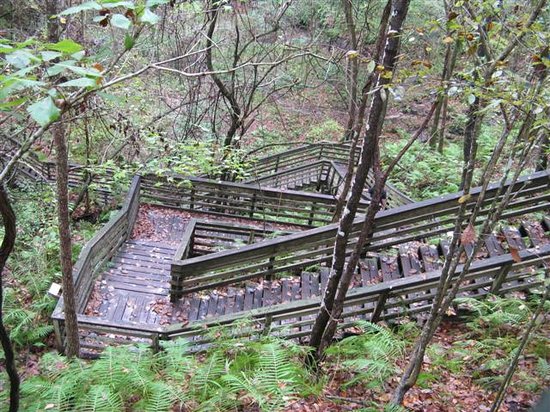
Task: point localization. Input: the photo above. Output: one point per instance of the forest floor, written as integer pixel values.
(450, 383)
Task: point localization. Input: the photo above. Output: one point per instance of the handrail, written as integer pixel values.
(337, 153)
(384, 300)
(249, 201)
(102, 247)
(393, 226)
(388, 294)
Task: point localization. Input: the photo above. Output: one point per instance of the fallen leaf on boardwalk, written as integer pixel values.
(468, 236)
(464, 198)
(515, 255)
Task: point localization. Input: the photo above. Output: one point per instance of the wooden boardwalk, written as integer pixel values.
(135, 288)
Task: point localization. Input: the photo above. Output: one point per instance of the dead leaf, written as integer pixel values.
(515, 255)
(468, 236)
(464, 198)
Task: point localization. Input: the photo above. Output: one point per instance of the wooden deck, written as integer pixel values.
(135, 288)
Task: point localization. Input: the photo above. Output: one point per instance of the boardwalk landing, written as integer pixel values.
(135, 288)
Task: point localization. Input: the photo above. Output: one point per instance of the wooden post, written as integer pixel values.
(499, 278)
(375, 317)
(59, 338)
(155, 344)
(253, 205)
(192, 199)
(269, 275)
(311, 214)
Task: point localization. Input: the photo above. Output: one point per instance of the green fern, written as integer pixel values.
(100, 398)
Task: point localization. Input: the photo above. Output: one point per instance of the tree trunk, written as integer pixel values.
(73, 345)
(8, 217)
(368, 152)
(359, 119)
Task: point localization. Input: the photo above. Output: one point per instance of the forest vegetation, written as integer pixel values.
(428, 98)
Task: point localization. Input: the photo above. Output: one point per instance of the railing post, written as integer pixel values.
(311, 214)
(59, 330)
(269, 274)
(278, 158)
(375, 317)
(499, 278)
(192, 198)
(253, 205)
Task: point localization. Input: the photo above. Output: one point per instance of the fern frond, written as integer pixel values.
(100, 398)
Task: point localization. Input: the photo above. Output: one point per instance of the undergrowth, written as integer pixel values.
(267, 373)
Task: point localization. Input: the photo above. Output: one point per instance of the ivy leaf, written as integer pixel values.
(44, 111)
(149, 17)
(82, 82)
(65, 46)
(120, 21)
(89, 5)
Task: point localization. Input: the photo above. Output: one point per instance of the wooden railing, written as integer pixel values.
(100, 249)
(295, 252)
(382, 301)
(248, 201)
(320, 173)
(30, 166)
(337, 153)
(203, 237)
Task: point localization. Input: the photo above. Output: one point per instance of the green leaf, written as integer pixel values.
(65, 46)
(44, 111)
(79, 55)
(120, 21)
(89, 5)
(20, 58)
(50, 55)
(59, 67)
(128, 41)
(113, 4)
(370, 66)
(471, 98)
(149, 17)
(152, 3)
(82, 82)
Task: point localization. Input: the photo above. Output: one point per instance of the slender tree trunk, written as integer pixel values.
(352, 69)
(368, 152)
(8, 218)
(359, 119)
(73, 345)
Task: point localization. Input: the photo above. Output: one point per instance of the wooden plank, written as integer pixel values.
(535, 232)
(220, 307)
(305, 285)
(212, 305)
(203, 308)
(315, 285)
(368, 268)
(429, 257)
(239, 301)
(120, 307)
(194, 308)
(267, 298)
(494, 248)
(513, 237)
(390, 267)
(286, 291)
(231, 301)
(324, 272)
(248, 298)
(258, 293)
